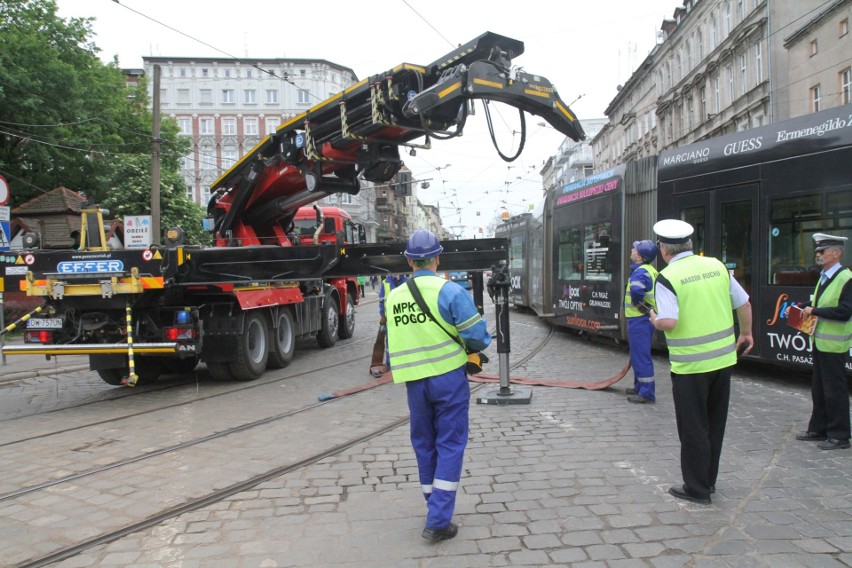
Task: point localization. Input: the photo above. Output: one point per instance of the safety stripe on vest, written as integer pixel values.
(469, 323)
(445, 485)
(689, 341)
(422, 349)
(832, 337)
(427, 489)
(425, 361)
(703, 356)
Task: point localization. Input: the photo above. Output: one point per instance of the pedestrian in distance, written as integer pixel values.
(362, 281)
(638, 301)
(433, 325)
(832, 306)
(696, 297)
(380, 363)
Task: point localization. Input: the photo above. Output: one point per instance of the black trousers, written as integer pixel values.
(701, 410)
(830, 414)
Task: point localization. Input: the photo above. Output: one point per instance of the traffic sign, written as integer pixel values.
(4, 235)
(4, 191)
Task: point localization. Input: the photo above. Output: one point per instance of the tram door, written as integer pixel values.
(726, 227)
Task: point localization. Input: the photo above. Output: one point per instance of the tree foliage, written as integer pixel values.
(68, 119)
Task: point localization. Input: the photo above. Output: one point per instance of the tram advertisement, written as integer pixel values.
(778, 341)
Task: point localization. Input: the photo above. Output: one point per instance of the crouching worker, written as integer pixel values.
(432, 325)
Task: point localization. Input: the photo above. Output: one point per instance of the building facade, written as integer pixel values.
(719, 66)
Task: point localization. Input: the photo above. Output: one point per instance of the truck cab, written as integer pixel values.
(335, 226)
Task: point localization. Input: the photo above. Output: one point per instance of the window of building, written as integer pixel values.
(668, 75)
(207, 157)
(758, 62)
(272, 124)
(714, 32)
(743, 74)
(229, 126)
(814, 48)
(227, 73)
(249, 96)
(688, 57)
(690, 113)
(164, 96)
(303, 72)
(846, 86)
(726, 20)
(229, 158)
(183, 96)
(205, 73)
(250, 126)
(844, 27)
(678, 69)
(815, 99)
(205, 96)
(185, 125)
(272, 96)
(304, 96)
(740, 10)
(700, 44)
(227, 96)
(190, 193)
(717, 104)
(702, 104)
(248, 72)
(730, 72)
(205, 125)
(182, 72)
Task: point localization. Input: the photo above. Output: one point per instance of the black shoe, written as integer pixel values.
(712, 489)
(682, 493)
(810, 436)
(446, 533)
(636, 399)
(833, 444)
(630, 391)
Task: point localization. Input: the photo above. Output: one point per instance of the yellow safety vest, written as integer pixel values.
(832, 336)
(703, 339)
(631, 311)
(417, 347)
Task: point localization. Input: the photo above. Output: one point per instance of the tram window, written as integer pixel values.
(791, 251)
(737, 251)
(695, 217)
(597, 245)
(516, 260)
(841, 205)
(570, 254)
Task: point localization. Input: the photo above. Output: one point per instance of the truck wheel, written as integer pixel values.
(283, 340)
(347, 320)
(252, 348)
(327, 335)
(180, 366)
(219, 371)
(148, 370)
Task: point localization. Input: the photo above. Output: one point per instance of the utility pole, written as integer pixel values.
(155, 161)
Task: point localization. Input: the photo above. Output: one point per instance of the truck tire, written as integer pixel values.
(347, 320)
(252, 347)
(148, 370)
(327, 335)
(219, 371)
(283, 340)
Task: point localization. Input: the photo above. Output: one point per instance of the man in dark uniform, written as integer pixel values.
(832, 305)
(695, 298)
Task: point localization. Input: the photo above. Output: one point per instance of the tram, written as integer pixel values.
(755, 198)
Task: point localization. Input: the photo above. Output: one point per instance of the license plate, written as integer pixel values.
(44, 323)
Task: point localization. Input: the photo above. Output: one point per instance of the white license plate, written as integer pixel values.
(44, 323)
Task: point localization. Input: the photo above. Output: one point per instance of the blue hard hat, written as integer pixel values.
(646, 249)
(423, 245)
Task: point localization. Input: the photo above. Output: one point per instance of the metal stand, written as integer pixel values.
(498, 288)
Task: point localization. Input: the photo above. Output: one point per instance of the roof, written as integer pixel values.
(56, 231)
(56, 201)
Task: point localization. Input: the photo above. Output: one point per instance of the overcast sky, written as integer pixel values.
(585, 48)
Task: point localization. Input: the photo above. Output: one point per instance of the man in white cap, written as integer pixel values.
(832, 305)
(695, 298)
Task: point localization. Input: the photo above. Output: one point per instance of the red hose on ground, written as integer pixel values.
(383, 379)
(588, 385)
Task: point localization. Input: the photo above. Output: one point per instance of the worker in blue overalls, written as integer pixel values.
(638, 301)
(432, 326)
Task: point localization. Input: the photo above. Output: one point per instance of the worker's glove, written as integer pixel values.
(474, 364)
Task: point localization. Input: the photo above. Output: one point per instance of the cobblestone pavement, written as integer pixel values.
(575, 478)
